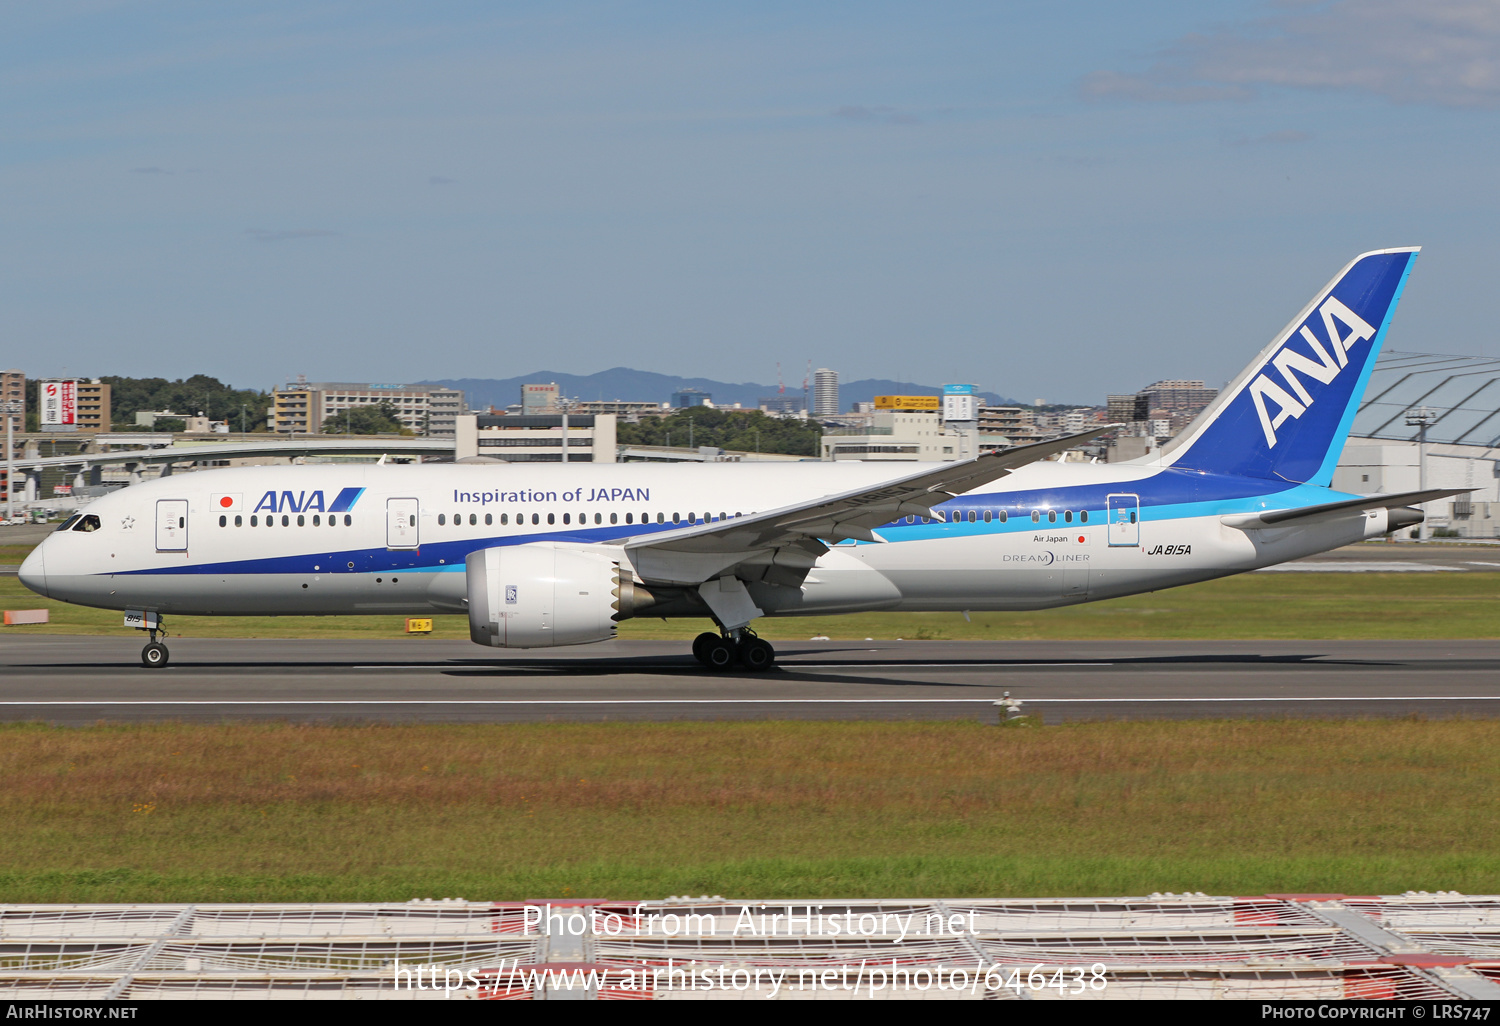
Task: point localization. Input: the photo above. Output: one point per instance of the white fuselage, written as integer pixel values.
(329, 539)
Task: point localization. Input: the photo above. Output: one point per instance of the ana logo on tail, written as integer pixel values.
(1324, 369)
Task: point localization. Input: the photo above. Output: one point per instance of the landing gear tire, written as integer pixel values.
(154, 656)
(700, 646)
(720, 655)
(757, 655)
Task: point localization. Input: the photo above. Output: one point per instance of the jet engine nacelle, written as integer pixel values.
(545, 594)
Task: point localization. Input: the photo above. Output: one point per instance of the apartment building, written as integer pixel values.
(302, 406)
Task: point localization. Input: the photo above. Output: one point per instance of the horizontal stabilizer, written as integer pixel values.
(1330, 510)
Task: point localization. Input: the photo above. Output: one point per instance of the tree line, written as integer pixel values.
(199, 394)
(739, 430)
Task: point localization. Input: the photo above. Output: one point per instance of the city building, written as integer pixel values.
(825, 393)
(13, 390)
(302, 407)
(1154, 415)
(684, 398)
(93, 405)
(622, 408)
(786, 404)
(1015, 422)
(536, 439)
(1128, 409)
(1171, 398)
(539, 400)
(906, 428)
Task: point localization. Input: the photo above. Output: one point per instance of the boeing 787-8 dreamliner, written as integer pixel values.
(558, 554)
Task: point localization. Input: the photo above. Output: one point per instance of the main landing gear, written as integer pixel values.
(721, 651)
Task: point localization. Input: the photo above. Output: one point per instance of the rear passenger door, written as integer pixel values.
(1124, 519)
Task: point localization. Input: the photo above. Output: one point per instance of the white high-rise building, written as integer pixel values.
(825, 393)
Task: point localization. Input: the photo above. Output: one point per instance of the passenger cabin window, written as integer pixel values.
(301, 520)
(348, 520)
(973, 516)
(442, 519)
(1004, 516)
(1067, 516)
(551, 519)
(628, 517)
(1083, 516)
(239, 521)
(489, 519)
(254, 522)
(474, 519)
(988, 515)
(1036, 517)
(614, 518)
(223, 520)
(676, 519)
(1052, 516)
(317, 520)
(567, 518)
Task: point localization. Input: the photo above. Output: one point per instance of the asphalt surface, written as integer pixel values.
(80, 680)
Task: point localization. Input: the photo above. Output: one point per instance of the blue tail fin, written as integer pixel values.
(1287, 415)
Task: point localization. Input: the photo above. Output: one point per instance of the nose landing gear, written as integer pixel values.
(155, 655)
(719, 652)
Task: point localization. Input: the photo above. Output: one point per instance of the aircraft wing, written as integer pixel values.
(1330, 510)
(781, 545)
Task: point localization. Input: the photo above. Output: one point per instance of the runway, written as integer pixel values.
(81, 680)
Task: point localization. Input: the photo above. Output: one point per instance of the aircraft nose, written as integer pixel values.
(33, 571)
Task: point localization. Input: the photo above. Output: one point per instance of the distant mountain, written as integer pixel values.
(644, 386)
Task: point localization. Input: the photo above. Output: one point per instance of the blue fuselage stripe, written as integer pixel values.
(1170, 494)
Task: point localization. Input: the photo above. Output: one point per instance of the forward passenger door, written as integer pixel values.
(402, 517)
(171, 525)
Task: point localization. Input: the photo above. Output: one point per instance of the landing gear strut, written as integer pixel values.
(721, 651)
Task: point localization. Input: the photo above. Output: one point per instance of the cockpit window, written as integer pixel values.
(86, 523)
(69, 522)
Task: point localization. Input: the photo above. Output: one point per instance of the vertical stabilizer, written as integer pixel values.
(1287, 415)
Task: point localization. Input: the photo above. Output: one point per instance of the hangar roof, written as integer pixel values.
(1463, 393)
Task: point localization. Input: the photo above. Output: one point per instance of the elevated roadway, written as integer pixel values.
(290, 448)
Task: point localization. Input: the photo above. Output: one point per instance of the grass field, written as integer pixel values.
(268, 812)
(1283, 605)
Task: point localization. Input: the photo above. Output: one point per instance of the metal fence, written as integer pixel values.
(1269, 947)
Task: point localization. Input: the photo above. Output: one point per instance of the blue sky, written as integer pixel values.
(1054, 200)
